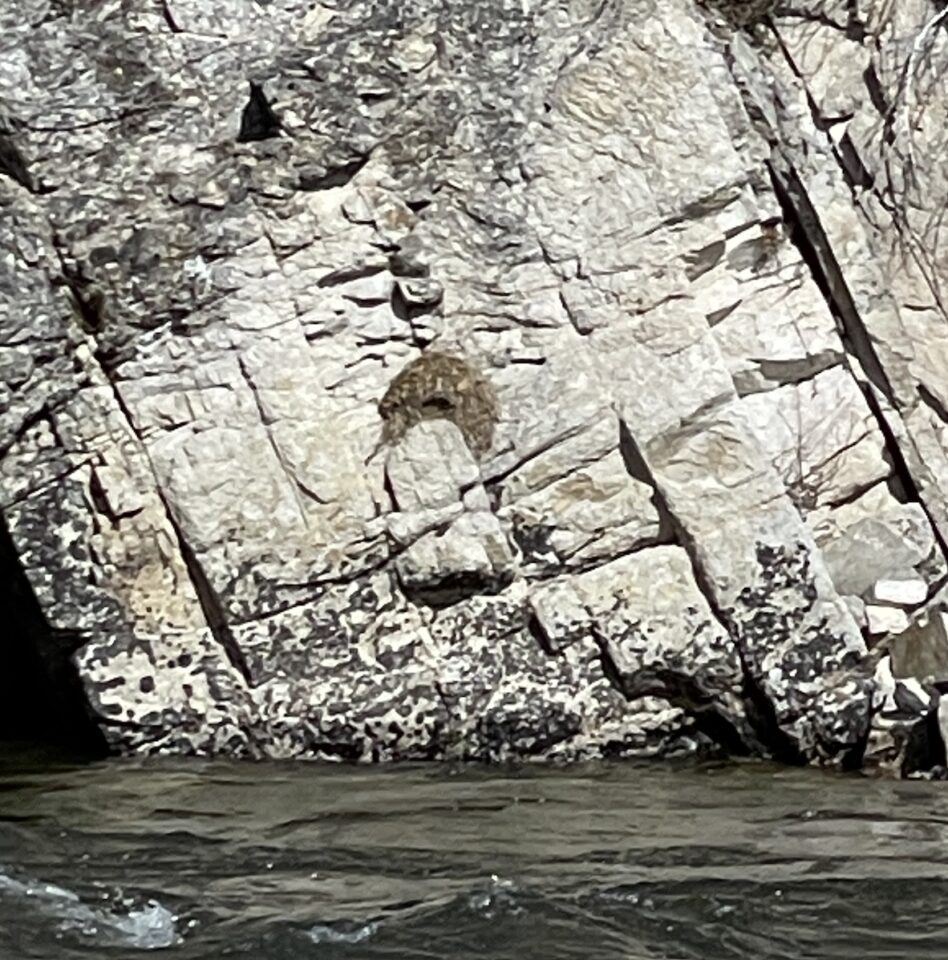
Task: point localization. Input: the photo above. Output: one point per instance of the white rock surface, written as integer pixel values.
(907, 593)
(689, 262)
(883, 620)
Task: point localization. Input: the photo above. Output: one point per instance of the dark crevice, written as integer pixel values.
(901, 474)
(783, 373)
(389, 488)
(258, 121)
(30, 420)
(169, 17)
(924, 747)
(578, 326)
(680, 691)
(346, 752)
(335, 176)
(88, 301)
(405, 263)
(366, 303)
(122, 115)
(853, 495)
(817, 254)
(494, 474)
(855, 26)
(932, 402)
(210, 603)
(349, 274)
(13, 164)
(417, 206)
(100, 501)
(638, 469)
(685, 693)
(663, 538)
(536, 630)
(789, 12)
(54, 480)
(41, 695)
(610, 668)
(718, 316)
(406, 311)
(699, 262)
(852, 760)
(857, 174)
(207, 597)
(455, 588)
(762, 715)
(312, 588)
(825, 122)
(815, 249)
(877, 93)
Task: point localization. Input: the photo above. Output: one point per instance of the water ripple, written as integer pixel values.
(289, 862)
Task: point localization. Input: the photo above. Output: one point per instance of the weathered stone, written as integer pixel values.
(595, 513)
(906, 593)
(877, 538)
(470, 556)
(881, 620)
(511, 699)
(657, 631)
(766, 311)
(763, 572)
(921, 650)
(820, 437)
(377, 385)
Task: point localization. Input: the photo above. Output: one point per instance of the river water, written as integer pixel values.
(202, 860)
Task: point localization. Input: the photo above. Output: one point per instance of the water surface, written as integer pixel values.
(194, 860)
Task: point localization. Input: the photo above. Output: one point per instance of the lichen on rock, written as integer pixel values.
(657, 473)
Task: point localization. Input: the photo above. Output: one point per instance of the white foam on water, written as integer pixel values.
(323, 933)
(36, 890)
(150, 926)
(496, 897)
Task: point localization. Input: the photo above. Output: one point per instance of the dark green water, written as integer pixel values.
(284, 862)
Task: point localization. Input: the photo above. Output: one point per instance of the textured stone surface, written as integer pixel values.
(476, 380)
(921, 651)
(908, 593)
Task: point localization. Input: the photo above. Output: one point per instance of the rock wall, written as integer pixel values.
(518, 379)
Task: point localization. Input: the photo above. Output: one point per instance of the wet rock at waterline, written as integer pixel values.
(498, 381)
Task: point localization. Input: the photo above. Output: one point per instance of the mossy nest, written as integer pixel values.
(438, 386)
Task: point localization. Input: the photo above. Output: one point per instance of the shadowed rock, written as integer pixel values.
(258, 121)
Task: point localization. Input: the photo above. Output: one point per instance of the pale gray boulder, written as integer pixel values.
(471, 380)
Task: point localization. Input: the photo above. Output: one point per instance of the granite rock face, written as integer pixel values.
(537, 379)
